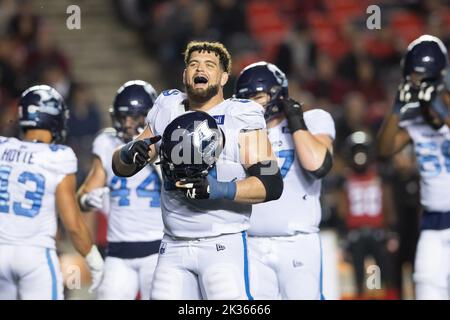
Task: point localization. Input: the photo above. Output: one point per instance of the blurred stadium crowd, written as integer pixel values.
(330, 57)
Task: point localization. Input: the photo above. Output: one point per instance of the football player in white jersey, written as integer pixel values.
(134, 217)
(285, 248)
(37, 180)
(420, 116)
(205, 211)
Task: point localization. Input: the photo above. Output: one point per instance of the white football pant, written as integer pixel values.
(432, 265)
(124, 278)
(213, 268)
(29, 273)
(286, 267)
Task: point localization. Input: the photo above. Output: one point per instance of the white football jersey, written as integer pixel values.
(134, 202)
(29, 175)
(298, 209)
(192, 218)
(432, 148)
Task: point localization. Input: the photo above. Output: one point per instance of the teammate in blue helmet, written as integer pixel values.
(42, 107)
(263, 77)
(302, 142)
(130, 107)
(133, 205)
(426, 59)
(420, 115)
(37, 178)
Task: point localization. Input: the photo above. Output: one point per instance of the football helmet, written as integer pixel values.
(190, 146)
(134, 99)
(427, 57)
(263, 77)
(42, 107)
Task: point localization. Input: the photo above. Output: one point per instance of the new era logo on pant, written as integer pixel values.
(220, 247)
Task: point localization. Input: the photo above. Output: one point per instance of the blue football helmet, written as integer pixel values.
(426, 56)
(190, 146)
(42, 107)
(133, 99)
(263, 77)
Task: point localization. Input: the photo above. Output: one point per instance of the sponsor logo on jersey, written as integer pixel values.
(220, 119)
(220, 247)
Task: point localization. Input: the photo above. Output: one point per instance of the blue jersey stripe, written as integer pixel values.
(322, 297)
(246, 275)
(53, 273)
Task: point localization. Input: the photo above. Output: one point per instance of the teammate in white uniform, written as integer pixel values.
(204, 251)
(134, 217)
(285, 247)
(37, 179)
(420, 115)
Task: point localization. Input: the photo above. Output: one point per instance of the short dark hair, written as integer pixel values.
(216, 47)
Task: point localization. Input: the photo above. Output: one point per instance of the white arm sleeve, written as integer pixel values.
(63, 162)
(248, 116)
(320, 122)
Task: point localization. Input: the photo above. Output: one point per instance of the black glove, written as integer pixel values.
(406, 93)
(429, 90)
(294, 114)
(136, 151)
(207, 188)
(430, 95)
(194, 188)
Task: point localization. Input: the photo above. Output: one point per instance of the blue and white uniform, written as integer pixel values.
(135, 226)
(284, 234)
(29, 176)
(432, 264)
(204, 249)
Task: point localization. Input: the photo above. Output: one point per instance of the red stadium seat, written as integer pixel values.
(266, 25)
(446, 18)
(326, 35)
(407, 25)
(342, 11)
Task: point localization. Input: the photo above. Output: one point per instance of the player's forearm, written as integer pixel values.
(250, 190)
(80, 236)
(310, 151)
(386, 136)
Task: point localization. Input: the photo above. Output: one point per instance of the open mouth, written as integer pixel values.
(200, 80)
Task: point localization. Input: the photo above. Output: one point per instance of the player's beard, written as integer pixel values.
(201, 95)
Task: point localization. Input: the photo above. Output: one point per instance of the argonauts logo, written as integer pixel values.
(206, 141)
